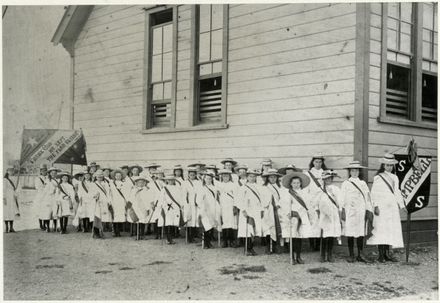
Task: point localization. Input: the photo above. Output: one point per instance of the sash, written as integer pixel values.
(354, 184)
(84, 187)
(386, 182)
(171, 197)
(62, 190)
(232, 197)
(278, 193)
(312, 176)
(256, 195)
(190, 183)
(12, 183)
(331, 198)
(42, 180)
(114, 182)
(131, 179)
(181, 221)
(180, 183)
(298, 198)
(102, 189)
(157, 185)
(239, 182)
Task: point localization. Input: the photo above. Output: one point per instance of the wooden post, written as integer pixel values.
(408, 235)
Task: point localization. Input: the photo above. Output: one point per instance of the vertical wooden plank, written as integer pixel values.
(146, 108)
(72, 90)
(174, 68)
(416, 75)
(383, 63)
(362, 80)
(192, 66)
(225, 63)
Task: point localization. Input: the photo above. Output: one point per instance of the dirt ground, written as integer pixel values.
(42, 266)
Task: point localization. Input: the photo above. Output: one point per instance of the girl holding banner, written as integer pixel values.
(65, 196)
(387, 199)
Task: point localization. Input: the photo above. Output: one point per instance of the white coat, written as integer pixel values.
(48, 204)
(127, 188)
(170, 207)
(103, 200)
(209, 207)
(270, 196)
(355, 207)
(329, 219)
(313, 191)
(142, 203)
(293, 227)
(180, 181)
(65, 199)
(119, 200)
(190, 188)
(227, 192)
(387, 229)
(40, 185)
(251, 203)
(10, 203)
(86, 200)
(156, 186)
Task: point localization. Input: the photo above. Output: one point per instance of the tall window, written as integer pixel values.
(210, 63)
(160, 69)
(411, 61)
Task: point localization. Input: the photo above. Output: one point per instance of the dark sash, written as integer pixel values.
(190, 183)
(171, 197)
(312, 176)
(330, 197)
(180, 183)
(239, 182)
(181, 221)
(42, 180)
(157, 185)
(114, 182)
(298, 198)
(102, 189)
(278, 193)
(84, 186)
(256, 195)
(131, 179)
(62, 190)
(388, 184)
(12, 183)
(232, 197)
(213, 194)
(358, 189)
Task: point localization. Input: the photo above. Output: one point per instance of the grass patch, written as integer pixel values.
(319, 270)
(126, 268)
(103, 272)
(241, 269)
(49, 266)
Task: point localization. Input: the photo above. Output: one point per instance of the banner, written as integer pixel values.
(48, 146)
(414, 181)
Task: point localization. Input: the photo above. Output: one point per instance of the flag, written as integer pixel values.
(414, 181)
(47, 146)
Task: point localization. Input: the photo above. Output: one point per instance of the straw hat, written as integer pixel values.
(53, 168)
(318, 156)
(63, 173)
(224, 171)
(152, 165)
(124, 167)
(241, 166)
(197, 164)
(158, 171)
(93, 164)
(137, 178)
(211, 166)
(192, 168)
(388, 159)
(271, 172)
(255, 172)
(114, 172)
(266, 161)
(229, 160)
(209, 173)
(290, 166)
(178, 167)
(328, 174)
(287, 179)
(78, 174)
(354, 164)
(138, 166)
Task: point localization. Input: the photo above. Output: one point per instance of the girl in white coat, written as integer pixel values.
(227, 190)
(356, 210)
(387, 200)
(87, 202)
(49, 209)
(316, 168)
(119, 200)
(209, 208)
(251, 211)
(103, 209)
(172, 201)
(10, 202)
(40, 183)
(190, 187)
(156, 186)
(142, 202)
(329, 218)
(65, 197)
(294, 212)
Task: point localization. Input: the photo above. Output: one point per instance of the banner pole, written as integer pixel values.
(408, 235)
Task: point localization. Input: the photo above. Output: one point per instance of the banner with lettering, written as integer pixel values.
(414, 181)
(48, 146)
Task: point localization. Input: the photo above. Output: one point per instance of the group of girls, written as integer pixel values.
(235, 205)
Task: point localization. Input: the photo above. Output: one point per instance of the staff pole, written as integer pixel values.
(408, 235)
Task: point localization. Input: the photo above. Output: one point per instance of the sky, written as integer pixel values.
(36, 75)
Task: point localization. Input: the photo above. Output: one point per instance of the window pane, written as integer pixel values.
(391, 56)
(217, 67)
(158, 91)
(405, 28)
(425, 65)
(156, 68)
(157, 40)
(393, 10)
(392, 23)
(427, 35)
(167, 90)
(406, 11)
(392, 39)
(205, 69)
(205, 18)
(217, 44)
(426, 50)
(403, 59)
(429, 98)
(397, 93)
(435, 52)
(405, 43)
(204, 53)
(217, 17)
(428, 15)
(167, 66)
(162, 17)
(433, 67)
(167, 38)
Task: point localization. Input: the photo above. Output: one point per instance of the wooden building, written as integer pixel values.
(178, 83)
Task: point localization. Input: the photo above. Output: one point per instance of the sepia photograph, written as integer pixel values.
(220, 151)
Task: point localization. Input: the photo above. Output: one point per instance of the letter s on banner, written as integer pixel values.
(401, 166)
(419, 203)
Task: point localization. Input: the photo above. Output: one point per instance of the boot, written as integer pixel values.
(268, 243)
(381, 258)
(115, 229)
(169, 231)
(251, 251)
(11, 227)
(7, 227)
(330, 250)
(360, 246)
(323, 250)
(55, 229)
(297, 247)
(351, 258)
(47, 225)
(41, 224)
(132, 230)
(85, 225)
(387, 256)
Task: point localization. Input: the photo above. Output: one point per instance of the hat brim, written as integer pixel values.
(231, 161)
(134, 166)
(195, 164)
(287, 179)
(283, 170)
(387, 161)
(49, 170)
(355, 166)
(152, 166)
(272, 174)
(141, 178)
(253, 173)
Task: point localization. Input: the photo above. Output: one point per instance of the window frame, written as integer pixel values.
(147, 121)
(415, 95)
(194, 72)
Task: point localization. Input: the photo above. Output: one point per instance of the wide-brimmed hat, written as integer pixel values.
(124, 167)
(211, 166)
(224, 171)
(152, 165)
(290, 166)
(354, 164)
(241, 166)
(178, 167)
(328, 174)
(98, 173)
(255, 172)
(78, 174)
(138, 166)
(158, 171)
(192, 169)
(53, 168)
(271, 172)
(137, 178)
(106, 168)
(63, 173)
(115, 171)
(228, 160)
(287, 179)
(318, 156)
(93, 164)
(197, 164)
(266, 161)
(388, 159)
(209, 173)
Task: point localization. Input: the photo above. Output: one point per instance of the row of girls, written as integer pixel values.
(282, 207)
